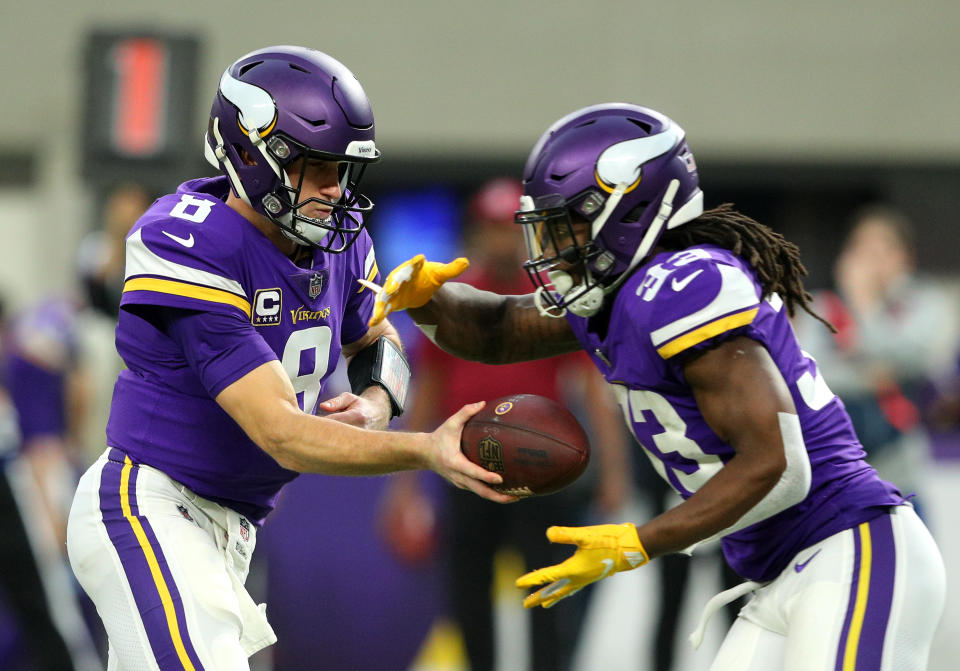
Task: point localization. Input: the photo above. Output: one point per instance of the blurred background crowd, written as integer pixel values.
(822, 129)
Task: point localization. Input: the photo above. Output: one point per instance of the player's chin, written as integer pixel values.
(321, 216)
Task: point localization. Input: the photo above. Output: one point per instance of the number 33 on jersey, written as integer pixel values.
(690, 300)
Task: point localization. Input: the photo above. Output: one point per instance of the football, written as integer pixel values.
(535, 443)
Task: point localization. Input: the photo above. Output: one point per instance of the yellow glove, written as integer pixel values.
(412, 283)
(602, 550)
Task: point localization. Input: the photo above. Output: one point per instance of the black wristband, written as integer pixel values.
(384, 364)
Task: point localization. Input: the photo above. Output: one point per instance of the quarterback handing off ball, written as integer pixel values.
(535, 443)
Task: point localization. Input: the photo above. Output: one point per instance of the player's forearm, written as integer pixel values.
(463, 320)
(483, 326)
(717, 506)
(309, 444)
(264, 404)
(743, 397)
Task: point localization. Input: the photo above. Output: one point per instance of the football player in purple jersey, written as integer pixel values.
(39, 422)
(240, 295)
(686, 313)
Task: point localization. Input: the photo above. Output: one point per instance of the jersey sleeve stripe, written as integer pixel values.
(142, 261)
(706, 331)
(370, 276)
(369, 262)
(737, 292)
(174, 288)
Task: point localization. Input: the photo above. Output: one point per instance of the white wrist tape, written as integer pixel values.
(429, 330)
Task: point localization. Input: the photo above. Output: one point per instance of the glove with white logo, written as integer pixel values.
(602, 550)
(412, 283)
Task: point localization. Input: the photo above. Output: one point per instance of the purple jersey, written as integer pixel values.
(42, 353)
(694, 299)
(192, 251)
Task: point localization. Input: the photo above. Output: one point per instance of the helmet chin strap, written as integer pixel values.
(314, 234)
(659, 223)
(220, 158)
(586, 305)
(587, 302)
(608, 209)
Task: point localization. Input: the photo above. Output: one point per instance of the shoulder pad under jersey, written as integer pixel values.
(186, 252)
(693, 295)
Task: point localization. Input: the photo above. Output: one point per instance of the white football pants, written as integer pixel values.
(865, 599)
(165, 568)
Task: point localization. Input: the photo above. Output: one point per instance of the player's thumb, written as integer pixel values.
(563, 534)
(468, 411)
(448, 271)
(336, 403)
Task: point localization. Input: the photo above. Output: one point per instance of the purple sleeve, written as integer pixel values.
(220, 347)
(38, 396)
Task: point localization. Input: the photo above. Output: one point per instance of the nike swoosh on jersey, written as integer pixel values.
(186, 242)
(799, 566)
(680, 285)
(607, 568)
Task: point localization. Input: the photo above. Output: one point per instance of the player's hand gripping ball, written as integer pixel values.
(535, 443)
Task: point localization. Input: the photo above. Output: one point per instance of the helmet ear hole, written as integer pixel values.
(244, 155)
(635, 214)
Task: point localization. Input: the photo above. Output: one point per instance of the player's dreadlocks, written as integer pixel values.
(775, 259)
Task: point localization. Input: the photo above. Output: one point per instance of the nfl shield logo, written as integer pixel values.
(186, 513)
(244, 530)
(491, 454)
(316, 285)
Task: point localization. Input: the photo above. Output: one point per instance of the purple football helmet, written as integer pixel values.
(278, 105)
(623, 169)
